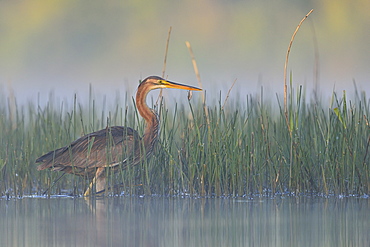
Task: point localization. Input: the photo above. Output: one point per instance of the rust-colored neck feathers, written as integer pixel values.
(152, 123)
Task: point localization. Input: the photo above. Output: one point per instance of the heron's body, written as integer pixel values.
(102, 148)
(113, 147)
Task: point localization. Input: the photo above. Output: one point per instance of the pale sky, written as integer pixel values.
(65, 46)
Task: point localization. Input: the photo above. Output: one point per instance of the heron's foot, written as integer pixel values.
(101, 192)
(87, 192)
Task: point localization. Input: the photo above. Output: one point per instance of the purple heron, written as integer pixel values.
(90, 156)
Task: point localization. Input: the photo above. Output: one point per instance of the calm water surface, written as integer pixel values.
(158, 221)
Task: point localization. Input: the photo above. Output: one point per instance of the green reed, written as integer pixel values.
(250, 146)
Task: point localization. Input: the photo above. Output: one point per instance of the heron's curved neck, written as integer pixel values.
(151, 119)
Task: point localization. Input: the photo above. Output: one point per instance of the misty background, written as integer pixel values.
(65, 46)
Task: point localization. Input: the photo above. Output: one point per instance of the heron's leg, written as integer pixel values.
(98, 180)
(89, 189)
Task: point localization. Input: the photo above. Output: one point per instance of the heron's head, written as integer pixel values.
(155, 82)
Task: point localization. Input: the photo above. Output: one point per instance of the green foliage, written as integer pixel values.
(248, 147)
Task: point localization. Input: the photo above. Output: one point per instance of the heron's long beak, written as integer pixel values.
(170, 84)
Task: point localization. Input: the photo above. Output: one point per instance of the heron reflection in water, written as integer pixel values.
(112, 148)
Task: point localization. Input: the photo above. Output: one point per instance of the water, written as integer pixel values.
(164, 221)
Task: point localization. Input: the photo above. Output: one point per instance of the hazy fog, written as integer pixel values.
(63, 46)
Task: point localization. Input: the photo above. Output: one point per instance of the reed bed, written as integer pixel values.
(248, 146)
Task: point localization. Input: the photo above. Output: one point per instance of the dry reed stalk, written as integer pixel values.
(199, 81)
(165, 62)
(166, 52)
(228, 94)
(286, 65)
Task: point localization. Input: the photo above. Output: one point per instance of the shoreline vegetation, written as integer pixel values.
(240, 148)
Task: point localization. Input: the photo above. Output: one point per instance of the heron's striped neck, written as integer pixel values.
(151, 119)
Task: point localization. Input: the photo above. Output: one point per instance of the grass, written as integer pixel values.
(250, 146)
